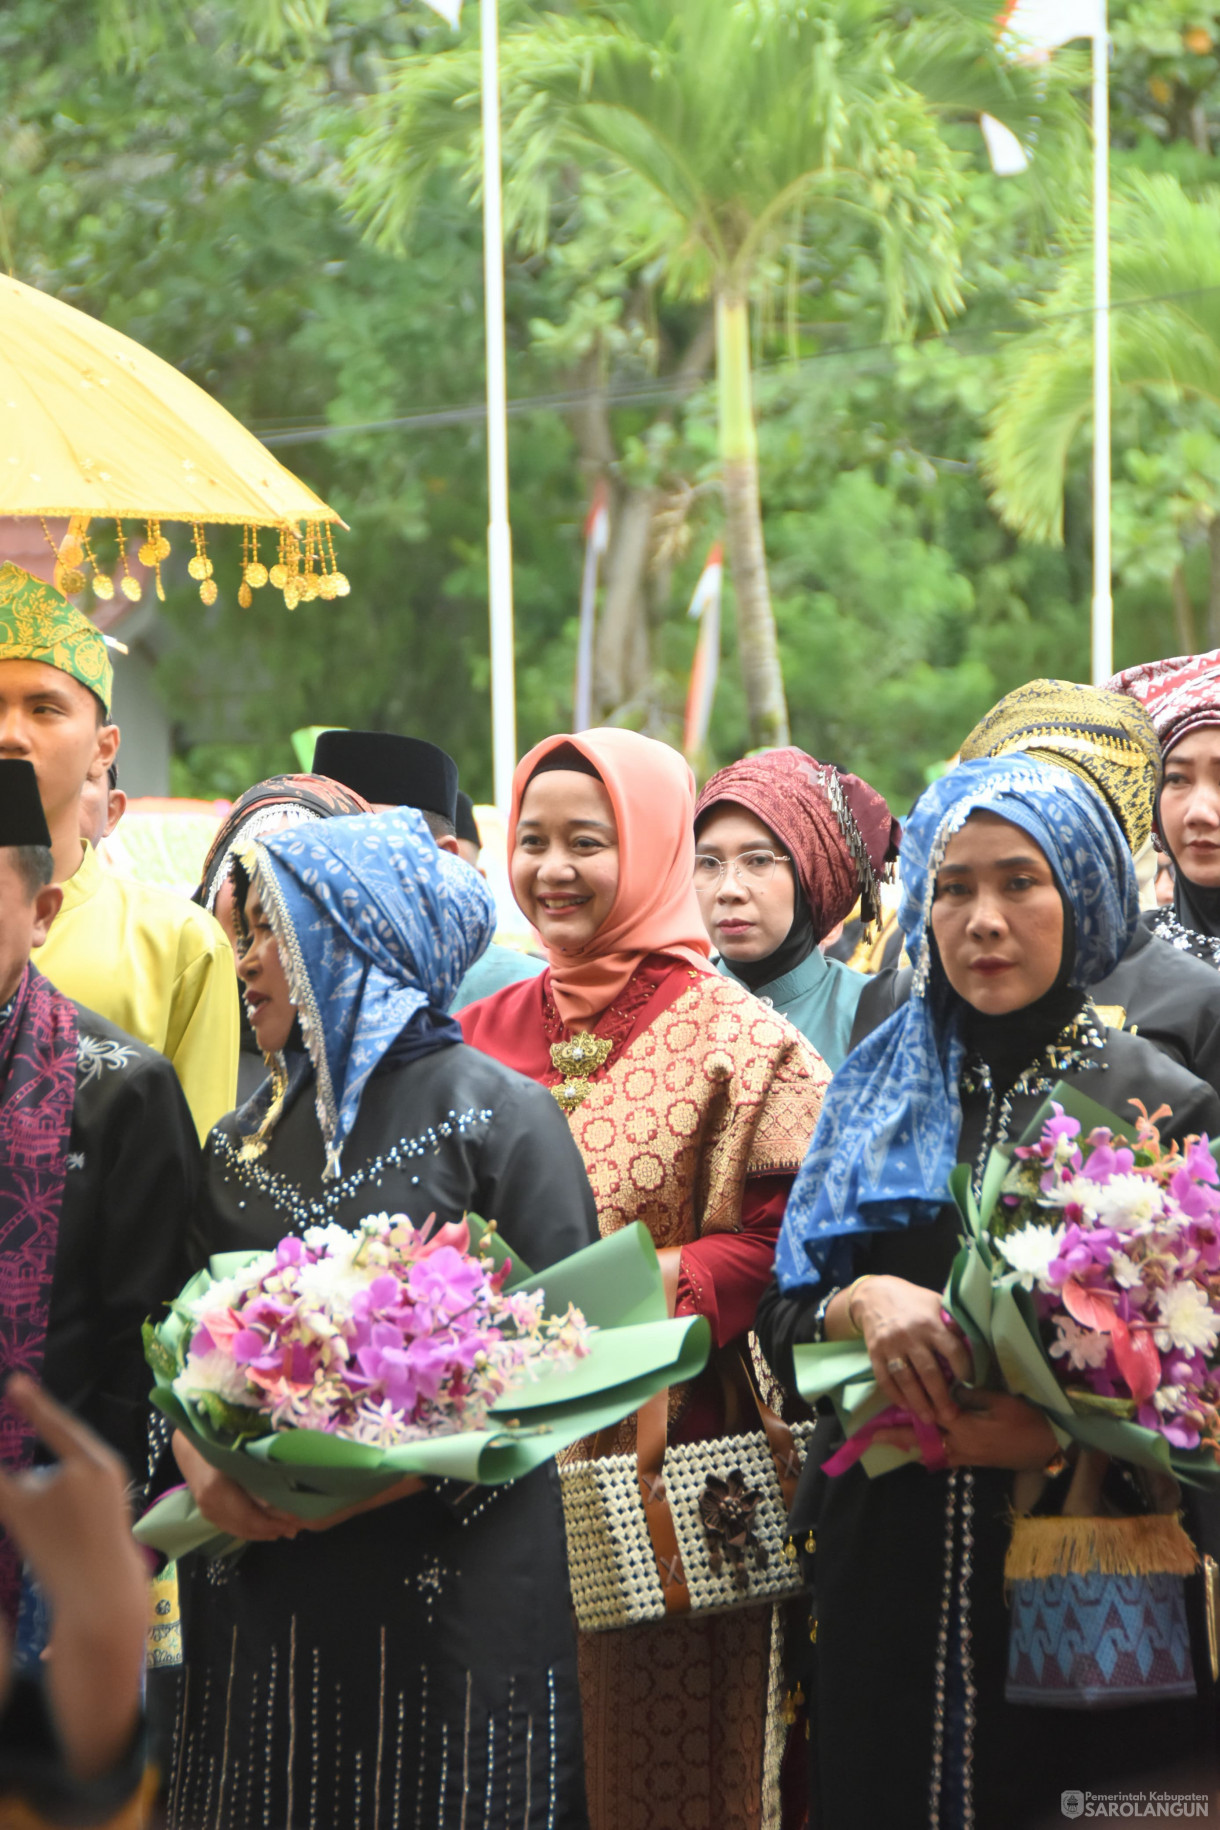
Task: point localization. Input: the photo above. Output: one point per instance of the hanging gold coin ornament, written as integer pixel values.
(103, 587)
(70, 579)
(292, 556)
(341, 585)
(245, 595)
(200, 567)
(309, 578)
(278, 575)
(129, 586)
(254, 572)
(154, 549)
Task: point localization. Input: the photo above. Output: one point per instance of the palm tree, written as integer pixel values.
(749, 123)
(1165, 335)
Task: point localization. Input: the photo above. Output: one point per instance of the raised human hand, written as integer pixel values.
(72, 1524)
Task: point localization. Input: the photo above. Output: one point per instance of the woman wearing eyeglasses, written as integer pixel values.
(784, 847)
(692, 1107)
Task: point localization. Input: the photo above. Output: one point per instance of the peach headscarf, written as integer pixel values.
(652, 792)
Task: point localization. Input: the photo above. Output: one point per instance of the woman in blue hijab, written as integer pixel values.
(411, 1662)
(1018, 893)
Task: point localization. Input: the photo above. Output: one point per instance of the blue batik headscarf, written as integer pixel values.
(376, 927)
(887, 1137)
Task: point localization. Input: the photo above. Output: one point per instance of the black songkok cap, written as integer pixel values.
(390, 770)
(466, 824)
(22, 821)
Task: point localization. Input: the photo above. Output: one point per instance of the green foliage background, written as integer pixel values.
(193, 185)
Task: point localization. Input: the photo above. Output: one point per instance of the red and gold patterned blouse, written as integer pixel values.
(693, 1105)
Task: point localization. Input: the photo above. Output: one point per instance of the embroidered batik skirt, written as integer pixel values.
(675, 1722)
(413, 1669)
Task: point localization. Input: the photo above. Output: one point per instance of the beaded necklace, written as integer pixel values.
(1206, 947)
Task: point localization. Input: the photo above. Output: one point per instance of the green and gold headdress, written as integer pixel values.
(1105, 738)
(37, 623)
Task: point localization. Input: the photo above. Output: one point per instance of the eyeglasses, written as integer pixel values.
(753, 868)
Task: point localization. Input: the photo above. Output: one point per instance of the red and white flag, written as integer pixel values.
(1044, 25)
(701, 695)
(1031, 30)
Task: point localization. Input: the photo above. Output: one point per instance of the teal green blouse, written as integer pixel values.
(820, 998)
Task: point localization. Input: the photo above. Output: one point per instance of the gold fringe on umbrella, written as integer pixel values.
(306, 568)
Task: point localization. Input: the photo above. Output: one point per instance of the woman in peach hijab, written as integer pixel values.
(693, 1106)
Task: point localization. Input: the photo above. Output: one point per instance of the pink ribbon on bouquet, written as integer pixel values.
(893, 1417)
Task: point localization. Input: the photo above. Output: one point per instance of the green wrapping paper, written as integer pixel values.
(637, 1349)
(984, 1297)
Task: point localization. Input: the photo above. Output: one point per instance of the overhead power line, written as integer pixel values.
(657, 390)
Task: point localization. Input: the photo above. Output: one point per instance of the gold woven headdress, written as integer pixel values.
(1103, 737)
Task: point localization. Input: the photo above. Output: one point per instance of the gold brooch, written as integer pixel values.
(576, 1059)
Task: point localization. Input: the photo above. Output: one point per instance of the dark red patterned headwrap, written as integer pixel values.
(1178, 695)
(839, 831)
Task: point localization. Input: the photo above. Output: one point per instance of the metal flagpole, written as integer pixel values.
(499, 533)
(1103, 603)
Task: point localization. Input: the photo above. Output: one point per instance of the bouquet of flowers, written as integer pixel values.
(385, 1335)
(1088, 1282)
(1119, 1245)
(325, 1371)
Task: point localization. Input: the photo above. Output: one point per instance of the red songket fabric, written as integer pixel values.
(518, 1024)
(722, 1275)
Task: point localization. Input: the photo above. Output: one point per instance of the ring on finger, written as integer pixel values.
(894, 1367)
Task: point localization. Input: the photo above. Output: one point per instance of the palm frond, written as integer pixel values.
(1165, 333)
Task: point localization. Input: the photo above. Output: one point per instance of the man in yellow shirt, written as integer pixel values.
(153, 963)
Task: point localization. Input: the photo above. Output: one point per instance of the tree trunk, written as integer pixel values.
(1183, 612)
(757, 644)
(620, 666)
(622, 657)
(1213, 591)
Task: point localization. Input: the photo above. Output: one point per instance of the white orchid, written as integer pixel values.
(1125, 1272)
(1083, 1347)
(1030, 1251)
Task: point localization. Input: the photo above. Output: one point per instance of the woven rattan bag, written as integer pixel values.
(696, 1527)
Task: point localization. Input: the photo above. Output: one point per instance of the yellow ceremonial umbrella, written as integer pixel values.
(92, 424)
